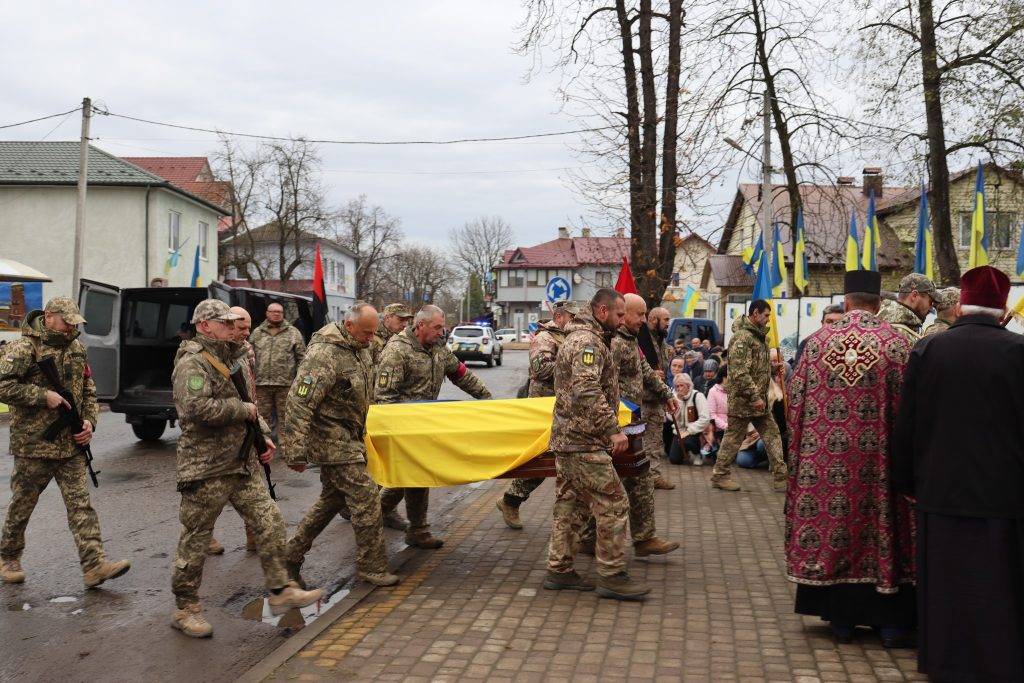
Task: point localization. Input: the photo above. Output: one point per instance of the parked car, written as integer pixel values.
(506, 335)
(475, 342)
(526, 337)
(688, 328)
(132, 335)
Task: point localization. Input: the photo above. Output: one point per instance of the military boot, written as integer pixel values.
(215, 547)
(423, 539)
(510, 513)
(190, 621)
(654, 546)
(664, 484)
(292, 596)
(11, 572)
(105, 571)
(621, 587)
(724, 482)
(393, 520)
(294, 570)
(571, 581)
(378, 578)
(250, 539)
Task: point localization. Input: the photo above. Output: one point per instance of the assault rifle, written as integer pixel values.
(69, 418)
(254, 437)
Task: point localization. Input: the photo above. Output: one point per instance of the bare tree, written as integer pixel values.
(376, 238)
(244, 172)
(417, 274)
(479, 244)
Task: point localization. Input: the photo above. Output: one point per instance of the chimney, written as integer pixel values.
(563, 233)
(585, 232)
(873, 180)
(844, 181)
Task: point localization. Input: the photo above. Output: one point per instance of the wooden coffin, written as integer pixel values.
(632, 463)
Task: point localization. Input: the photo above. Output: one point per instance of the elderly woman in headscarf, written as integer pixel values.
(691, 424)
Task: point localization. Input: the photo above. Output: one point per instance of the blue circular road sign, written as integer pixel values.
(558, 289)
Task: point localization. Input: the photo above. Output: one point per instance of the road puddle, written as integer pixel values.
(294, 619)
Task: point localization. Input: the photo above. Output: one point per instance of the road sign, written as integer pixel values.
(558, 289)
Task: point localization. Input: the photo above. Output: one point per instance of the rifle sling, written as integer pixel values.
(217, 365)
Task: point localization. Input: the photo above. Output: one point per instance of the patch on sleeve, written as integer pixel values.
(588, 355)
(305, 386)
(196, 382)
(536, 363)
(6, 366)
(383, 379)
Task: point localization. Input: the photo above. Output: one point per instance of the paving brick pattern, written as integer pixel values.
(720, 608)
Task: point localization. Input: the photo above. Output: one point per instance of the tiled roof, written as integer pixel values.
(175, 169)
(568, 252)
(728, 271)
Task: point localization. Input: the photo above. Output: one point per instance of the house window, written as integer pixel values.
(173, 230)
(204, 236)
(603, 278)
(516, 278)
(333, 277)
(531, 277)
(999, 224)
(503, 278)
(341, 274)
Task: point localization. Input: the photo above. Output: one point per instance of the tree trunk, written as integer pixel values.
(636, 217)
(670, 166)
(942, 227)
(644, 251)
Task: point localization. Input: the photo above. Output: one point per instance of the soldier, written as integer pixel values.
(279, 350)
(637, 379)
(946, 301)
(913, 301)
(652, 403)
(50, 333)
(396, 318)
(213, 468)
(326, 424)
(543, 350)
(749, 378)
(584, 428)
(412, 367)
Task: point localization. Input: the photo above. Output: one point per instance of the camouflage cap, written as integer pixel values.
(570, 307)
(67, 309)
(401, 310)
(919, 282)
(213, 309)
(947, 298)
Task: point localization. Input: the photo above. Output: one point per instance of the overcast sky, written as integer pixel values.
(348, 70)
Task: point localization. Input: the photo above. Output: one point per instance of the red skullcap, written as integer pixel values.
(984, 286)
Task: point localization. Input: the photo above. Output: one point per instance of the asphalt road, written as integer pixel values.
(51, 628)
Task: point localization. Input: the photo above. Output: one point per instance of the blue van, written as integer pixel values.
(688, 328)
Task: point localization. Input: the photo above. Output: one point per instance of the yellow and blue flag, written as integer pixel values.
(751, 257)
(852, 244)
(869, 260)
(923, 261)
(801, 276)
(779, 272)
(763, 290)
(1020, 253)
(690, 301)
(196, 280)
(979, 231)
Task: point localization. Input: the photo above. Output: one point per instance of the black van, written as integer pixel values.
(132, 336)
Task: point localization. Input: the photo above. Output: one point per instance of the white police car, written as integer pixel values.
(475, 342)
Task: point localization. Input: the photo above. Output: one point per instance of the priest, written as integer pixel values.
(848, 536)
(959, 450)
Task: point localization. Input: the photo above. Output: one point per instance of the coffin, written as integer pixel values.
(632, 463)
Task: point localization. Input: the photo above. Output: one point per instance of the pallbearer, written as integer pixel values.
(849, 543)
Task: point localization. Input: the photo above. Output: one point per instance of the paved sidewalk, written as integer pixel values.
(720, 608)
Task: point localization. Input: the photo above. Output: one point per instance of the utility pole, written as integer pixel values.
(83, 171)
(766, 185)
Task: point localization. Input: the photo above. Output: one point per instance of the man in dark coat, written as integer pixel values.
(959, 450)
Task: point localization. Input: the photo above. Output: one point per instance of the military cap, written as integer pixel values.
(862, 282)
(919, 282)
(947, 298)
(401, 310)
(570, 307)
(67, 309)
(213, 309)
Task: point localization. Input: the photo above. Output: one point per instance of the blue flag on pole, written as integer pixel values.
(196, 280)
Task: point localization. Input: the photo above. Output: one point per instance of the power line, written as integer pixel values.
(357, 142)
(41, 118)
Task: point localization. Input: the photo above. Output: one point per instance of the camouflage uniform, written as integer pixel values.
(749, 378)
(945, 300)
(36, 461)
(279, 350)
(383, 334)
(902, 319)
(585, 419)
(326, 424)
(210, 472)
(636, 379)
(409, 372)
(653, 410)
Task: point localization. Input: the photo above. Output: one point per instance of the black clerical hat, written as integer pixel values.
(862, 282)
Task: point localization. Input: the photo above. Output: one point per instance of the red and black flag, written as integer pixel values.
(319, 293)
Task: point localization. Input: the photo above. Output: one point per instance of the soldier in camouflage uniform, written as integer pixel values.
(584, 432)
(946, 301)
(543, 350)
(412, 367)
(33, 402)
(213, 470)
(326, 424)
(637, 379)
(279, 350)
(395, 319)
(916, 297)
(747, 391)
(652, 403)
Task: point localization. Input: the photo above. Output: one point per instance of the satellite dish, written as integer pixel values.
(576, 279)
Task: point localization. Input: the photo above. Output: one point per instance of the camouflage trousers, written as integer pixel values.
(416, 502)
(201, 504)
(587, 484)
(30, 477)
(653, 442)
(734, 437)
(640, 491)
(520, 489)
(270, 401)
(345, 484)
